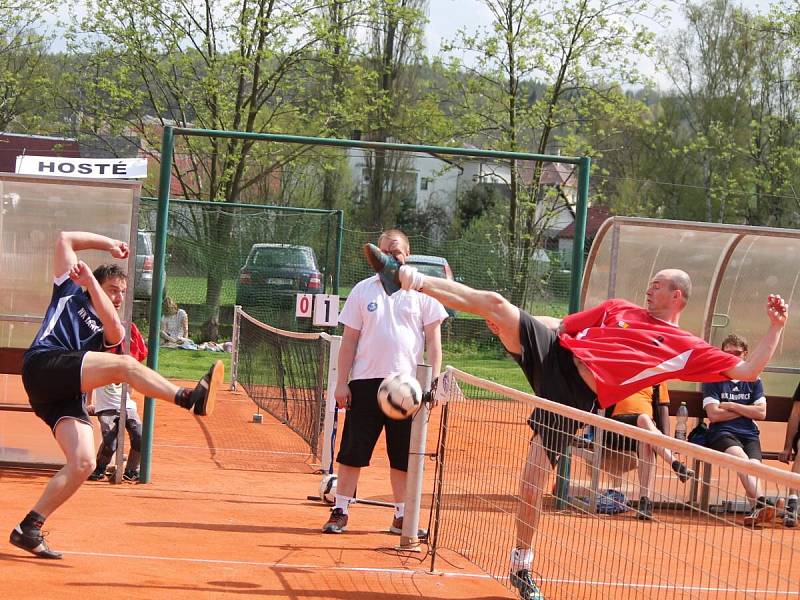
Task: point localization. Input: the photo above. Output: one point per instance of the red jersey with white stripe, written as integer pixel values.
(627, 349)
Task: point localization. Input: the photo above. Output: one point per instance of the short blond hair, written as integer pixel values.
(395, 233)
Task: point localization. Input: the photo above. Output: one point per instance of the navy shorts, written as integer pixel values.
(52, 380)
(723, 441)
(363, 424)
(551, 371)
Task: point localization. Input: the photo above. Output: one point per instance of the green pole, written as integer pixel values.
(339, 236)
(578, 246)
(165, 176)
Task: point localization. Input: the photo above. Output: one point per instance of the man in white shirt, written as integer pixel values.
(385, 331)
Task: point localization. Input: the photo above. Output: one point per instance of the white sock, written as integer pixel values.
(399, 510)
(343, 503)
(410, 278)
(521, 558)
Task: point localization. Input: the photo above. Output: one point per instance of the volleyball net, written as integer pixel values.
(599, 539)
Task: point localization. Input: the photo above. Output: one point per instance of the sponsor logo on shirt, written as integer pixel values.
(372, 306)
(90, 322)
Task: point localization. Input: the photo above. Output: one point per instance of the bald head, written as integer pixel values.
(668, 293)
(678, 280)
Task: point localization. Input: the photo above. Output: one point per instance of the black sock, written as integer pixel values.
(32, 520)
(182, 398)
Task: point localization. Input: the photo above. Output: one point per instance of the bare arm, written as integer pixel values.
(185, 324)
(750, 369)
(754, 411)
(113, 330)
(716, 414)
(433, 346)
(347, 353)
(69, 242)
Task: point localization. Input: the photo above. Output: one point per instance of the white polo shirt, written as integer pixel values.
(392, 336)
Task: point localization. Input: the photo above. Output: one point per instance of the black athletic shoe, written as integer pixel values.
(204, 396)
(790, 516)
(98, 474)
(385, 265)
(526, 586)
(33, 542)
(131, 476)
(684, 473)
(645, 511)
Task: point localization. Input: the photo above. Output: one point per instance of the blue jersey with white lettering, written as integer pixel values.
(741, 392)
(70, 322)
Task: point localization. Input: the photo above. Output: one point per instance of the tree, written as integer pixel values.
(580, 51)
(24, 70)
(233, 66)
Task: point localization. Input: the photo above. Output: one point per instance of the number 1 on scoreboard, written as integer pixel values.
(326, 310)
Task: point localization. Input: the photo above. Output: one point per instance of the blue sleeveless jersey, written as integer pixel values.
(70, 322)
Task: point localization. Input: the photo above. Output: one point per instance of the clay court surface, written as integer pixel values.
(226, 516)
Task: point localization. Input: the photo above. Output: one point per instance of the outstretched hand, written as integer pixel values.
(81, 274)
(777, 310)
(119, 249)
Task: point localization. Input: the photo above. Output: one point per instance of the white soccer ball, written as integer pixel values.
(399, 396)
(327, 489)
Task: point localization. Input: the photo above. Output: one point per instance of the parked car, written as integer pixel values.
(276, 273)
(143, 280)
(435, 266)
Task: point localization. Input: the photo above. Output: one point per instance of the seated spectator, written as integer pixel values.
(174, 326)
(732, 408)
(639, 409)
(791, 450)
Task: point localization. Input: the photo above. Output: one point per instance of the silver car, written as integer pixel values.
(143, 281)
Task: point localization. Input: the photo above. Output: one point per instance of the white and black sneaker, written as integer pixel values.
(32, 541)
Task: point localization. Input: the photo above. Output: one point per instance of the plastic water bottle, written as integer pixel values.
(682, 422)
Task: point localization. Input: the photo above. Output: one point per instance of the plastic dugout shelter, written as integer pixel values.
(33, 210)
(733, 269)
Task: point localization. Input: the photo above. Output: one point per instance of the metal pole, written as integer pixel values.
(237, 309)
(409, 538)
(165, 177)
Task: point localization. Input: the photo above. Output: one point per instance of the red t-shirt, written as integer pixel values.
(626, 350)
(138, 347)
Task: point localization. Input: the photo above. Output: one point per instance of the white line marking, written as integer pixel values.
(277, 565)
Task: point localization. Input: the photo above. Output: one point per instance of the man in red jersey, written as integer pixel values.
(604, 353)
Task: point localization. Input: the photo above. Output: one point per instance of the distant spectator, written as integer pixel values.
(174, 326)
(732, 407)
(792, 449)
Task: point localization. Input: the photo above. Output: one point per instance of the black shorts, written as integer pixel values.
(551, 371)
(621, 443)
(723, 441)
(52, 380)
(363, 424)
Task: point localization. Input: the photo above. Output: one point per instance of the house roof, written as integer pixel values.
(595, 217)
(553, 173)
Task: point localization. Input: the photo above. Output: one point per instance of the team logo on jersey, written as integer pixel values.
(372, 306)
(623, 324)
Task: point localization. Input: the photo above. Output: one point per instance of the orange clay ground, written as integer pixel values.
(225, 516)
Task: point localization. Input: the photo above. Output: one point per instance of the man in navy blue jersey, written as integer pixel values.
(732, 407)
(75, 351)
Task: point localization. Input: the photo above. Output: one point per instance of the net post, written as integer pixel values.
(328, 428)
(409, 538)
(235, 347)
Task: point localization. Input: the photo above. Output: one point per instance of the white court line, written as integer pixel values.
(231, 449)
(312, 567)
(277, 565)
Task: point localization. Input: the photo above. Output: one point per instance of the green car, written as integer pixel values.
(274, 274)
